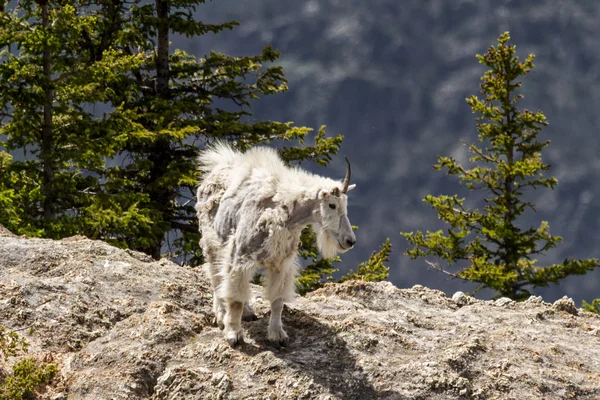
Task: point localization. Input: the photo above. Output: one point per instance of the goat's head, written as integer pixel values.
(334, 231)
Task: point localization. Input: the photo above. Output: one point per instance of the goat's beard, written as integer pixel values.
(327, 245)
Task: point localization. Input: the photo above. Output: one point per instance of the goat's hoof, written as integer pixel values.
(279, 338)
(219, 323)
(235, 338)
(248, 314)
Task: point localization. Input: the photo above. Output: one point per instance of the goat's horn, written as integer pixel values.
(347, 177)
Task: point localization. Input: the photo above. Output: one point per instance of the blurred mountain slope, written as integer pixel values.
(392, 77)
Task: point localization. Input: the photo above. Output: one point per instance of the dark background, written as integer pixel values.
(392, 77)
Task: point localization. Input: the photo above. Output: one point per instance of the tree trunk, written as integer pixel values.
(162, 58)
(46, 146)
(159, 150)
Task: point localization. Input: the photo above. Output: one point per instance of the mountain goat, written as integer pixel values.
(251, 209)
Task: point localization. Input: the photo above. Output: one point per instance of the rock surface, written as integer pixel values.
(123, 326)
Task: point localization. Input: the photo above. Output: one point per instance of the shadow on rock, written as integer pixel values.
(318, 352)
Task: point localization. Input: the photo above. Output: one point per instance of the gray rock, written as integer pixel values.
(565, 304)
(122, 326)
(534, 300)
(460, 298)
(503, 301)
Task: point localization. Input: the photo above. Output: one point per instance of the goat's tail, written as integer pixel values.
(217, 154)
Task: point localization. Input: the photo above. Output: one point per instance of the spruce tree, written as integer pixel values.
(490, 246)
(167, 105)
(105, 119)
(49, 85)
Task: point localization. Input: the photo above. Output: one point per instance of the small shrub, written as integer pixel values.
(593, 307)
(11, 344)
(320, 271)
(374, 269)
(27, 375)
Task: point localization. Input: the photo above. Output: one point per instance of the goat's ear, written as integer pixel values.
(350, 187)
(323, 194)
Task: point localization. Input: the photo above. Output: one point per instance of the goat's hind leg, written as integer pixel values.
(218, 303)
(235, 289)
(280, 288)
(248, 313)
(234, 334)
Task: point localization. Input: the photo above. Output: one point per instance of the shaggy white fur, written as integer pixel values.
(252, 209)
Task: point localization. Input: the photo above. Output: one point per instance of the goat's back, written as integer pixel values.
(225, 170)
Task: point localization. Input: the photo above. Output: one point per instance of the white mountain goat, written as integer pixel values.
(252, 209)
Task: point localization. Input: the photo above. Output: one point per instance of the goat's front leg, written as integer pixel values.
(219, 310)
(276, 332)
(279, 287)
(233, 322)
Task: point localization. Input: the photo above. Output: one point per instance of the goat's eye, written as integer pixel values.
(332, 206)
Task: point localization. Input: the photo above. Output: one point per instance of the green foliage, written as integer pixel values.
(593, 307)
(48, 80)
(27, 374)
(166, 104)
(8, 211)
(127, 175)
(11, 343)
(489, 245)
(374, 269)
(320, 270)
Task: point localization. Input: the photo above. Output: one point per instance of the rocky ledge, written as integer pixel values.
(120, 325)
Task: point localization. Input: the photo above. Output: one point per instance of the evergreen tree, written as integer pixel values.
(167, 105)
(48, 83)
(126, 175)
(320, 270)
(489, 245)
(9, 214)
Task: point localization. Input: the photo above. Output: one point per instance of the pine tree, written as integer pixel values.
(48, 83)
(320, 270)
(489, 245)
(125, 175)
(167, 105)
